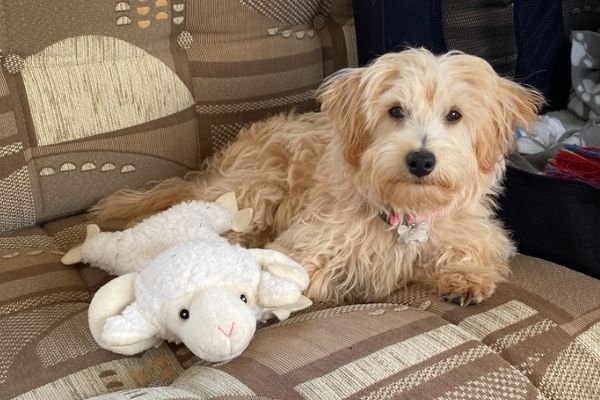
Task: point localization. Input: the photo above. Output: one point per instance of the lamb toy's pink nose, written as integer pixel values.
(231, 328)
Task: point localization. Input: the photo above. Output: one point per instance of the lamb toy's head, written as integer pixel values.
(207, 294)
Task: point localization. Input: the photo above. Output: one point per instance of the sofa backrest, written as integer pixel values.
(101, 95)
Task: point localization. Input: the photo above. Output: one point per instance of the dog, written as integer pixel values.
(392, 182)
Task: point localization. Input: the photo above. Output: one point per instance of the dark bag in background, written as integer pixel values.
(527, 40)
(553, 218)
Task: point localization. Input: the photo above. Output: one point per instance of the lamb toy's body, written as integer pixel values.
(132, 249)
(181, 281)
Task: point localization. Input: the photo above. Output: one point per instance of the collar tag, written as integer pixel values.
(408, 227)
(413, 233)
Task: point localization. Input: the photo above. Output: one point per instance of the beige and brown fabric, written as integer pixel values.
(46, 349)
(261, 57)
(529, 341)
(94, 96)
(101, 95)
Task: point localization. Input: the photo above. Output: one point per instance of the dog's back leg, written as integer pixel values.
(256, 192)
(127, 205)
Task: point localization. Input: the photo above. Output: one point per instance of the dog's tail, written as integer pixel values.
(127, 205)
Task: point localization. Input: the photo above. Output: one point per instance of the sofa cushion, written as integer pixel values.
(365, 351)
(46, 349)
(261, 57)
(527, 341)
(529, 335)
(95, 97)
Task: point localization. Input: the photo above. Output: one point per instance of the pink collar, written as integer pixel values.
(393, 218)
(410, 228)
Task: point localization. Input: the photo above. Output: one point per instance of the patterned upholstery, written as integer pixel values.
(528, 341)
(101, 95)
(94, 97)
(262, 57)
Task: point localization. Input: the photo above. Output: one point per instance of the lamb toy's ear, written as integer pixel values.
(114, 321)
(73, 256)
(281, 285)
(241, 218)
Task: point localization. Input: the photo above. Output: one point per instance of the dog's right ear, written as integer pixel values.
(340, 97)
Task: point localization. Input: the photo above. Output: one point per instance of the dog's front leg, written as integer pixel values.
(320, 267)
(345, 261)
(465, 267)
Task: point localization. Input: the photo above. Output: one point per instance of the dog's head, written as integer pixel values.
(422, 131)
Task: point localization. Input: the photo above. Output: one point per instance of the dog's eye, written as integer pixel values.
(453, 116)
(184, 314)
(396, 112)
(243, 298)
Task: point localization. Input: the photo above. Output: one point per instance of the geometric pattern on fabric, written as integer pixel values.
(155, 367)
(20, 330)
(78, 79)
(590, 339)
(428, 373)
(289, 11)
(211, 382)
(153, 393)
(224, 134)
(366, 351)
(574, 375)
(352, 377)
(52, 350)
(514, 338)
(482, 324)
(503, 384)
(252, 106)
(129, 97)
(17, 207)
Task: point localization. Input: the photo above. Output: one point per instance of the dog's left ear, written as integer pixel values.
(517, 108)
(340, 97)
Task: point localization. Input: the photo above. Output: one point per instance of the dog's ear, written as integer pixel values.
(340, 97)
(517, 107)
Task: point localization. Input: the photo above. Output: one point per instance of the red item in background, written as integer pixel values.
(578, 163)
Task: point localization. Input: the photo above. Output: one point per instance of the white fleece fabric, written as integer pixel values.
(132, 249)
(194, 266)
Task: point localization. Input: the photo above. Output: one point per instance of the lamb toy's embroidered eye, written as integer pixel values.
(184, 314)
(243, 298)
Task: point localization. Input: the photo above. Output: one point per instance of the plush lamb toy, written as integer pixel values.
(180, 281)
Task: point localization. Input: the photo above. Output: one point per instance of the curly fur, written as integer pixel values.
(318, 182)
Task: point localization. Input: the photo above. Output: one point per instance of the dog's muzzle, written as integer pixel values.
(420, 163)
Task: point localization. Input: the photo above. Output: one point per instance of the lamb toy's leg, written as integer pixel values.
(110, 251)
(73, 256)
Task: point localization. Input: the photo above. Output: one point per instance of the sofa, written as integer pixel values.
(97, 96)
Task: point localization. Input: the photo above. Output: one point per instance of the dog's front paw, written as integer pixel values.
(465, 299)
(459, 289)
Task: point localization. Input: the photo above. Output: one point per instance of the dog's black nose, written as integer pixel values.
(420, 163)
